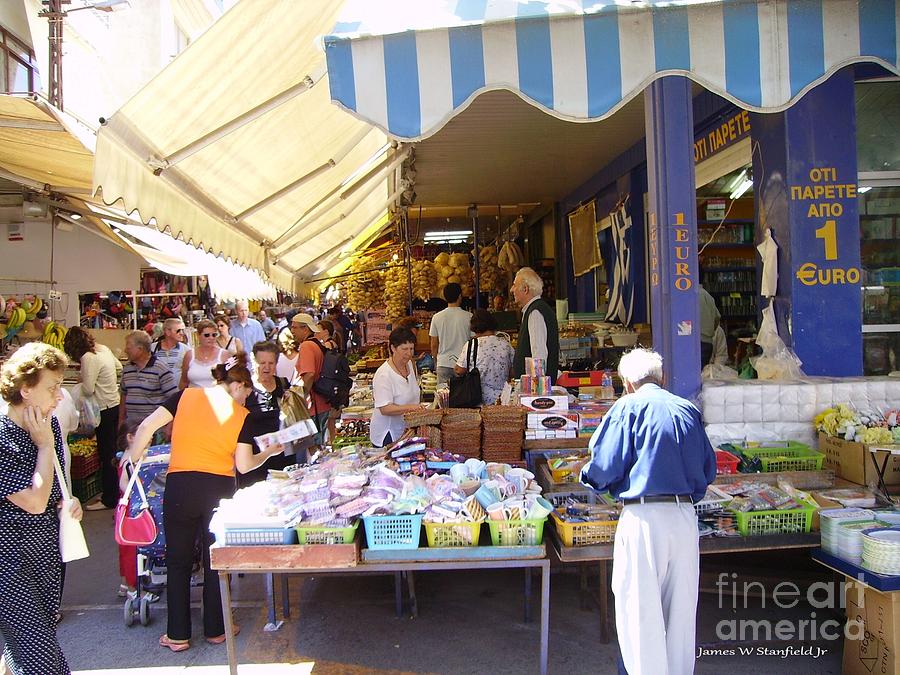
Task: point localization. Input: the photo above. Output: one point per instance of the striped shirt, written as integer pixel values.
(145, 389)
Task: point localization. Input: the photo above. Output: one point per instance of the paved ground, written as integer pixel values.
(469, 622)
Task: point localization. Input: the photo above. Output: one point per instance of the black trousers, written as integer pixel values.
(106, 446)
(188, 506)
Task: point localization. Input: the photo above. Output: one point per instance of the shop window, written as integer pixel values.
(879, 222)
(877, 122)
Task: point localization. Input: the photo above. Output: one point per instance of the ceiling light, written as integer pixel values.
(863, 189)
(736, 181)
(741, 189)
(75, 216)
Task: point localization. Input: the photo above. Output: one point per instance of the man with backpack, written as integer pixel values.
(325, 373)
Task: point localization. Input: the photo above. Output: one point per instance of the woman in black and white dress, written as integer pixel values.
(31, 382)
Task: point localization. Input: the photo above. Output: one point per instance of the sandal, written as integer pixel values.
(219, 639)
(174, 645)
(123, 590)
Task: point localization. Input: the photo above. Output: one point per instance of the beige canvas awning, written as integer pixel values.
(41, 147)
(236, 147)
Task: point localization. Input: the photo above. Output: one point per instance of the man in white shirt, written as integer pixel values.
(449, 332)
(539, 333)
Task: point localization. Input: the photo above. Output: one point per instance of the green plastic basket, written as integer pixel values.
(752, 523)
(452, 535)
(517, 532)
(790, 457)
(327, 535)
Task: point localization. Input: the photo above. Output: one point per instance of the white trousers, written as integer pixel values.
(656, 573)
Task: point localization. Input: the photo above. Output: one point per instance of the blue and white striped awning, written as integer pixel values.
(409, 66)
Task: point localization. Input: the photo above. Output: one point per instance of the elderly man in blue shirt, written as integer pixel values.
(652, 453)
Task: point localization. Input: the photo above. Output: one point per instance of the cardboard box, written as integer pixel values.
(852, 461)
(874, 648)
(554, 421)
(545, 403)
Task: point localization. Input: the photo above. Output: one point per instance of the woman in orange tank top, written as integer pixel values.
(210, 437)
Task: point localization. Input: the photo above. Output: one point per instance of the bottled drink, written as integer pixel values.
(606, 386)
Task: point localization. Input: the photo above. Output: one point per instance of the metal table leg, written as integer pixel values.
(880, 470)
(585, 590)
(273, 623)
(527, 595)
(285, 597)
(413, 601)
(545, 614)
(398, 593)
(603, 592)
(225, 588)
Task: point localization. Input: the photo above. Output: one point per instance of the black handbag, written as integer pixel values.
(465, 390)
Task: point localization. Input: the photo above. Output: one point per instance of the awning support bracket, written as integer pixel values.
(307, 83)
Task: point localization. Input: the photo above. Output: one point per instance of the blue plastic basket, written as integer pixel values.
(259, 536)
(396, 532)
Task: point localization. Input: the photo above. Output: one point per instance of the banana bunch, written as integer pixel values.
(17, 318)
(54, 334)
(395, 293)
(32, 307)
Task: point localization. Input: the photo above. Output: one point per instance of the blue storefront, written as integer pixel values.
(783, 92)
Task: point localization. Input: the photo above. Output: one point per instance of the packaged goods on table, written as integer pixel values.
(761, 508)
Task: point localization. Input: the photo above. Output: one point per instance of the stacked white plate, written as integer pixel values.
(849, 545)
(881, 550)
(830, 520)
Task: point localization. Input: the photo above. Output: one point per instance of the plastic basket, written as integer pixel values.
(751, 523)
(517, 532)
(452, 535)
(86, 488)
(85, 465)
(794, 457)
(259, 536)
(587, 533)
(726, 463)
(560, 498)
(327, 535)
(397, 532)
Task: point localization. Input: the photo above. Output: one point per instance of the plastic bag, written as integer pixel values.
(89, 412)
(717, 371)
(778, 361)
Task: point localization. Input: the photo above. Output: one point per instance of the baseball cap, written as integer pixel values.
(308, 321)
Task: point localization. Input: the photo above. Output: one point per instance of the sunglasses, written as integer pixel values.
(210, 335)
(179, 330)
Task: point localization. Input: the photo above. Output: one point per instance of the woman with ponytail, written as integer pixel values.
(210, 438)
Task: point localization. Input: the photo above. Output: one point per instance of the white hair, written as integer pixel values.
(531, 280)
(241, 303)
(641, 365)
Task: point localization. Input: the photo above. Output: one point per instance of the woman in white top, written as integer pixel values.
(494, 356)
(225, 340)
(395, 388)
(100, 370)
(287, 358)
(196, 368)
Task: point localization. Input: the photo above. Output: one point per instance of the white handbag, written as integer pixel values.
(72, 545)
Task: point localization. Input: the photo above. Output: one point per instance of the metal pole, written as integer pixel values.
(473, 214)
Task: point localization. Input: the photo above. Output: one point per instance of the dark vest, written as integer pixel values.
(523, 349)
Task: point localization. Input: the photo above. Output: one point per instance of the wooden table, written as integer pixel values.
(603, 554)
(344, 559)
